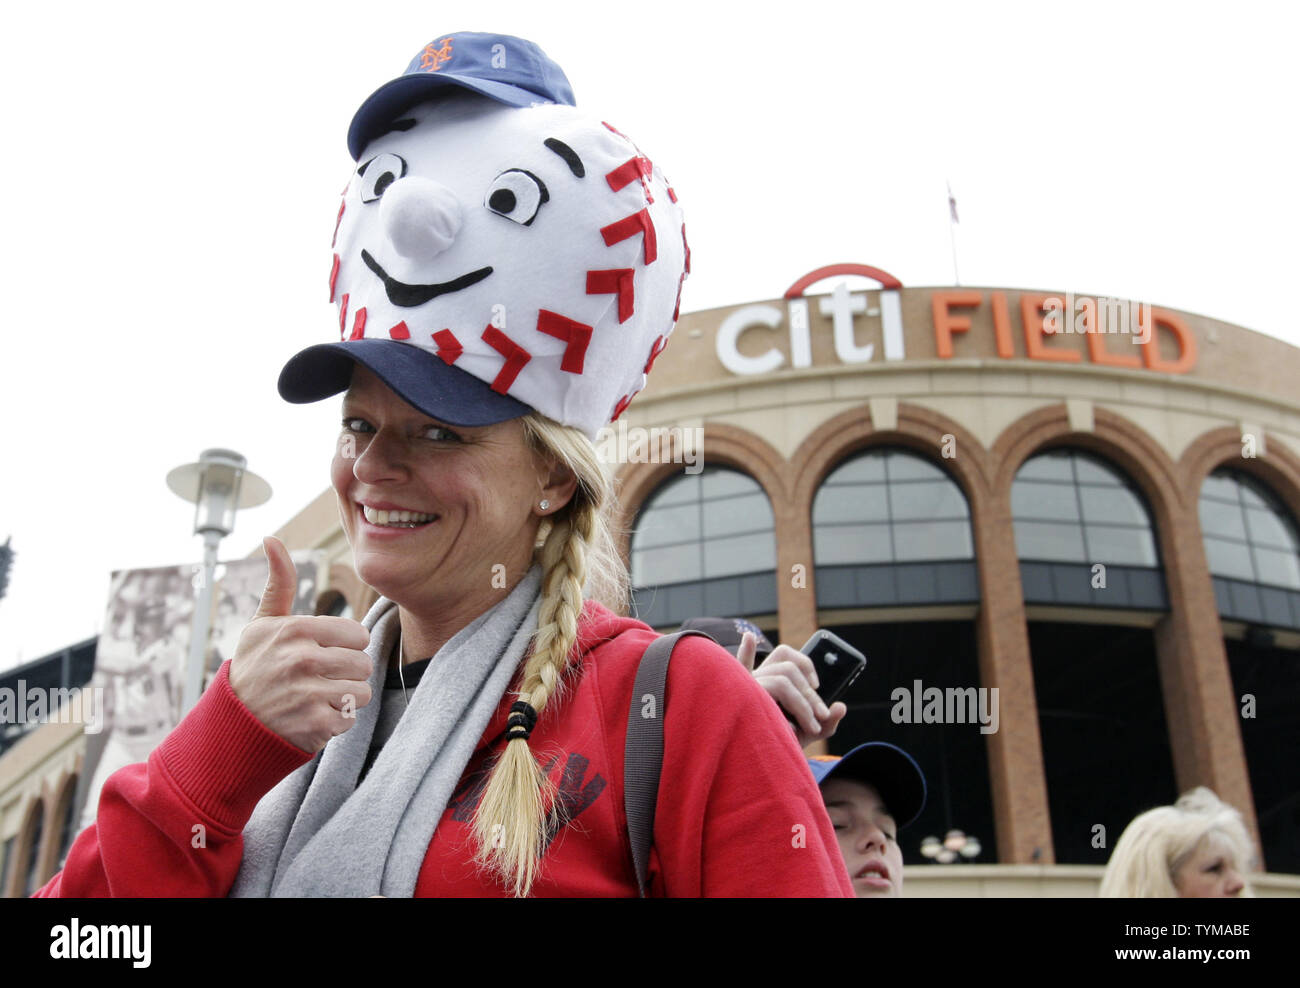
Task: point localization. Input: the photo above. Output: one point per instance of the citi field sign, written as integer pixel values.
(962, 322)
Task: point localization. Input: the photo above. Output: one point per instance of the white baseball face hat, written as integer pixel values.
(491, 259)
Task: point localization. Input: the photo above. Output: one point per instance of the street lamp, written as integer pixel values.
(954, 844)
(6, 560)
(218, 486)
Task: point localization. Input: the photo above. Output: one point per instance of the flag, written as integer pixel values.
(952, 205)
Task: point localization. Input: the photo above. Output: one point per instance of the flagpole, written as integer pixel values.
(952, 233)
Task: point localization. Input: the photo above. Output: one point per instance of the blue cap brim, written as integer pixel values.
(393, 98)
(423, 380)
(888, 769)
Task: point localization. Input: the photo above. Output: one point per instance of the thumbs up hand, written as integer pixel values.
(303, 677)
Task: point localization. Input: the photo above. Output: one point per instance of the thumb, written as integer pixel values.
(746, 649)
(281, 585)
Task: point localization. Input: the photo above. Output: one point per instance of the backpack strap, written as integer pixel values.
(644, 754)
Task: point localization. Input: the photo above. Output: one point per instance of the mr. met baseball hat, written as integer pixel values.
(447, 289)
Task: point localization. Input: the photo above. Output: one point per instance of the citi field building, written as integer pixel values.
(981, 495)
(976, 492)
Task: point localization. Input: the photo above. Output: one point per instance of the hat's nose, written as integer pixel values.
(420, 216)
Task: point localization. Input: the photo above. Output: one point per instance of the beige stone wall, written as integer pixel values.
(1041, 881)
(785, 407)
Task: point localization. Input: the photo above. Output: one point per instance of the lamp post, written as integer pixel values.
(954, 845)
(218, 485)
(6, 560)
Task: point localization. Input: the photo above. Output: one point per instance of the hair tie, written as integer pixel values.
(523, 718)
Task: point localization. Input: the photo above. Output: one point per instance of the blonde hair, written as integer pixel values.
(578, 555)
(1156, 844)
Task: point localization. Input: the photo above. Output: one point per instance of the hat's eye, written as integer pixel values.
(517, 195)
(378, 174)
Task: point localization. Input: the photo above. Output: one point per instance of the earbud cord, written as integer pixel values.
(406, 701)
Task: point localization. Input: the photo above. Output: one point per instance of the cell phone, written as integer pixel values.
(837, 663)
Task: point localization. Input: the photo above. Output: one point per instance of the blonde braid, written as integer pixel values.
(519, 806)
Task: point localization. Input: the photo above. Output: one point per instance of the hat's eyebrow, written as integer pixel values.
(567, 153)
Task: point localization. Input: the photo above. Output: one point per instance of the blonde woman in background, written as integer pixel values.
(1196, 849)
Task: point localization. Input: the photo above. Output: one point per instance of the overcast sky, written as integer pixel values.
(172, 173)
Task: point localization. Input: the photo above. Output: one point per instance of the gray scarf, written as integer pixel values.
(320, 834)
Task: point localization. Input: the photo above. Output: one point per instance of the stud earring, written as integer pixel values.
(544, 505)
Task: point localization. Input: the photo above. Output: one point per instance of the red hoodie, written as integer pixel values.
(738, 814)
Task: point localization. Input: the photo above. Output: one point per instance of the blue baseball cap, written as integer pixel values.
(888, 769)
(427, 383)
(508, 69)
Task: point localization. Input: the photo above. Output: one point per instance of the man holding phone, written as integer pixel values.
(789, 676)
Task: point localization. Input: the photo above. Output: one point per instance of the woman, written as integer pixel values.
(1196, 849)
(505, 274)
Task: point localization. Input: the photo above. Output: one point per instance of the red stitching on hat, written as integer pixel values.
(339, 219)
(630, 226)
(359, 325)
(614, 130)
(516, 357)
(622, 404)
(660, 344)
(671, 194)
(449, 348)
(576, 334)
(400, 332)
(334, 275)
(343, 316)
(620, 281)
(638, 167)
(686, 269)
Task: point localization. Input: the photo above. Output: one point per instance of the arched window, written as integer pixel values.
(1253, 548)
(10, 851)
(1084, 534)
(892, 535)
(33, 859)
(704, 544)
(68, 805)
(888, 528)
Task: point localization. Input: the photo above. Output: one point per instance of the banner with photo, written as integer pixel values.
(145, 643)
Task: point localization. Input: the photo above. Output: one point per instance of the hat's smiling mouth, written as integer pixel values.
(407, 296)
